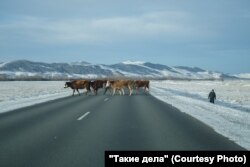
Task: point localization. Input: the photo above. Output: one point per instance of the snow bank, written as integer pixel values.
(17, 94)
(230, 116)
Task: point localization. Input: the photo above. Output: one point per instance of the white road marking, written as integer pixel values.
(83, 116)
(106, 99)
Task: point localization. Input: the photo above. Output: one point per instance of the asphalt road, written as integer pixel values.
(75, 131)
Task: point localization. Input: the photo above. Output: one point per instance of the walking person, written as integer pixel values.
(212, 96)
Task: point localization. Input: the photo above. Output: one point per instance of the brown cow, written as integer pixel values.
(97, 84)
(142, 83)
(120, 85)
(78, 84)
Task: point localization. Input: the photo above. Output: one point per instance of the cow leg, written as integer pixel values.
(120, 92)
(78, 92)
(73, 92)
(123, 92)
(114, 90)
(106, 90)
(131, 91)
(110, 90)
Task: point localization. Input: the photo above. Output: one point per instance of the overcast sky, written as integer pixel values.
(212, 34)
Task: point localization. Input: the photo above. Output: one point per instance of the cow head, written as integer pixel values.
(109, 83)
(67, 84)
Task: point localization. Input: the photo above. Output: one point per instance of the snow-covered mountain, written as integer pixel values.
(243, 75)
(23, 69)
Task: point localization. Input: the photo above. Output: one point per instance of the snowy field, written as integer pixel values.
(229, 116)
(17, 94)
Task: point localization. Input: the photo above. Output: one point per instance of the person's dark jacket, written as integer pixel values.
(212, 96)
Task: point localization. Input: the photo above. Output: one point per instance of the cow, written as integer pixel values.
(142, 83)
(96, 84)
(108, 87)
(78, 84)
(120, 85)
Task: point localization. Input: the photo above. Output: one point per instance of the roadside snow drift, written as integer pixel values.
(229, 116)
(17, 94)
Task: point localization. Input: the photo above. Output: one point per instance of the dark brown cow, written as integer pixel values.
(97, 84)
(142, 83)
(78, 84)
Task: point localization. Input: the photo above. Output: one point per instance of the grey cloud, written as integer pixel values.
(176, 25)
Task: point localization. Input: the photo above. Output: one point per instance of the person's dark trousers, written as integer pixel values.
(211, 100)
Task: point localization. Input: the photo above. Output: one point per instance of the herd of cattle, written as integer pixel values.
(111, 85)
